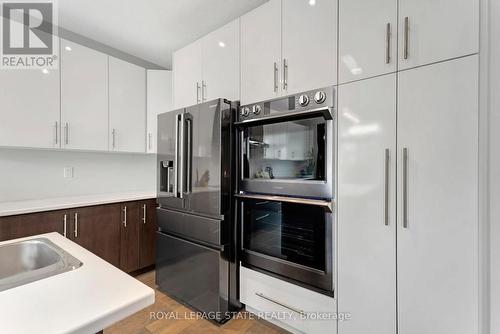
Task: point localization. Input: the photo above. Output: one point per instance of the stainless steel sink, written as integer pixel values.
(32, 260)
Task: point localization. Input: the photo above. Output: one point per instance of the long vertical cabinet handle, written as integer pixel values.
(56, 128)
(176, 159)
(405, 187)
(182, 146)
(144, 213)
(203, 91)
(66, 133)
(406, 37)
(124, 216)
(113, 134)
(76, 224)
(197, 92)
(386, 186)
(388, 44)
(189, 155)
(65, 225)
(149, 141)
(285, 74)
(275, 75)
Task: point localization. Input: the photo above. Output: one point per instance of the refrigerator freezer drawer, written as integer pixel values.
(192, 227)
(193, 274)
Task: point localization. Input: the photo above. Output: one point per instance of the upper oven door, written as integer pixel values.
(291, 154)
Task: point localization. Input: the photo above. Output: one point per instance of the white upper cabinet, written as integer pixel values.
(437, 30)
(367, 205)
(187, 65)
(221, 66)
(30, 110)
(309, 38)
(127, 106)
(438, 198)
(367, 38)
(261, 53)
(159, 100)
(84, 97)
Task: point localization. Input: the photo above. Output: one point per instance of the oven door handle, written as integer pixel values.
(327, 205)
(327, 113)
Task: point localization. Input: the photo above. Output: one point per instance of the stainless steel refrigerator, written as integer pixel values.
(196, 253)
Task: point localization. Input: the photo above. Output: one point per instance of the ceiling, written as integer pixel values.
(150, 29)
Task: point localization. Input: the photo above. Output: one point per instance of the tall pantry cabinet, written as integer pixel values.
(415, 171)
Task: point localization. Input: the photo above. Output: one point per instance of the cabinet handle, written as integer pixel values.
(144, 213)
(197, 92)
(386, 187)
(149, 140)
(203, 90)
(405, 187)
(66, 133)
(56, 127)
(285, 74)
(272, 300)
(124, 216)
(388, 44)
(76, 225)
(113, 133)
(275, 73)
(65, 226)
(407, 36)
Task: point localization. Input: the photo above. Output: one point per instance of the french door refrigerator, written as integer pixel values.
(196, 253)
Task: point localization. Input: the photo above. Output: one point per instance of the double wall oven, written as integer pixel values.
(285, 189)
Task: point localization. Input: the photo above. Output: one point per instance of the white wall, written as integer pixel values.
(494, 121)
(35, 174)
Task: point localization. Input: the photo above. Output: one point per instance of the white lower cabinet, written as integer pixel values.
(433, 178)
(29, 115)
(127, 107)
(366, 205)
(287, 305)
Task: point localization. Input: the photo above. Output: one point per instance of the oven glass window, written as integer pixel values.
(292, 150)
(292, 232)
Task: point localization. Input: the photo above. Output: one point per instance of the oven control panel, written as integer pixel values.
(324, 97)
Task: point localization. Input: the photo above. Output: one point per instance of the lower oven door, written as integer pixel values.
(291, 239)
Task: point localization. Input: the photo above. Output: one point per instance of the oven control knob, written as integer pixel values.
(319, 97)
(256, 109)
(245, 111)
(303, 100)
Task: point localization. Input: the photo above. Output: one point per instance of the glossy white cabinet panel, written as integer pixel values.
(159, 100)
(84, 97)
(367, 38)
(127, 106)
(438, 248)
(187, 65)
(367, 205)
(437, 30)
(261, 53)
(263, 293)
(309, 38)
(30, 111)
(221, 65)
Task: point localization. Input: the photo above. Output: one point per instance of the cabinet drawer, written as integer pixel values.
(288, 304)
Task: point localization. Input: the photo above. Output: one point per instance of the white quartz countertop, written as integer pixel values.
(85, 300)
(21, 207)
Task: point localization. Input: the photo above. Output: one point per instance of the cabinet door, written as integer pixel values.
(437, 30)
(21, 226)
(261, 53)
(159, 100)
(30, 115)
(97, 229)
(437, 243)
(129, 245)
(127, 106)
(187, 65)
(366, 205)
(367, 38)
(221, 63)
(309, 45)
(147, 236)
(84, 97)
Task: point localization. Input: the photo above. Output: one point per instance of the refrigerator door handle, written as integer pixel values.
(176, 159)
(188, 118)
(182, 157)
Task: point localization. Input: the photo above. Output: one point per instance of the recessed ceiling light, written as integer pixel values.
(312, 2)
(45, 71)
(222, 44)
(68, 48)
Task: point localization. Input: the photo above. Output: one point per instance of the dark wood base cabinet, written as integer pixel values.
(122, 234)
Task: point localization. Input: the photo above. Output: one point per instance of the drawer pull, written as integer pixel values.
(293, 309)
